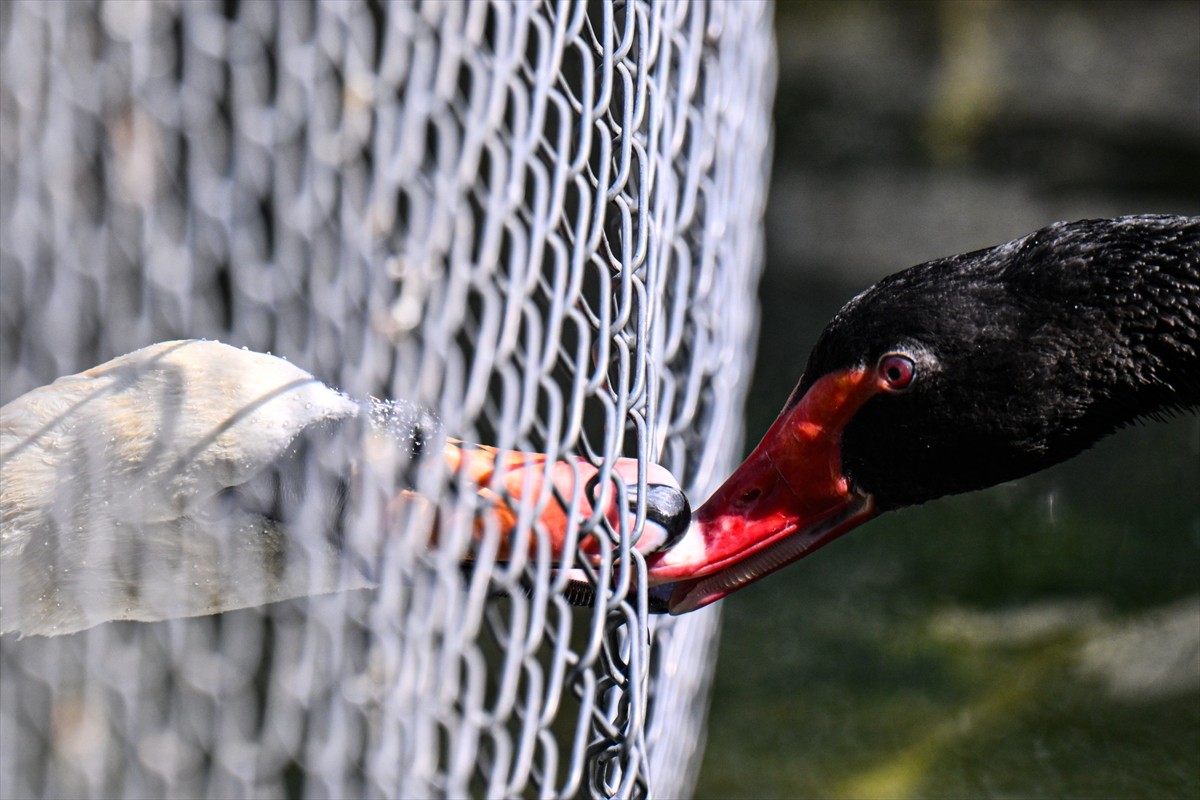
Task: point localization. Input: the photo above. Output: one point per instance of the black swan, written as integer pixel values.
(955, 375)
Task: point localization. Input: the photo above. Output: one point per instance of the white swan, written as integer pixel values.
(140, 489)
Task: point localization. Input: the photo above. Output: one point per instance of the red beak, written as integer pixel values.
(788, 498)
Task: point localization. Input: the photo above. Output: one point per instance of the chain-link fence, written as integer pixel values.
(540, 220)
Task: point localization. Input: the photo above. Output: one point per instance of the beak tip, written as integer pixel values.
(689, 596)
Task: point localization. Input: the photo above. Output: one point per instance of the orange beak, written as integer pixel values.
(506, 477)
(788, 498)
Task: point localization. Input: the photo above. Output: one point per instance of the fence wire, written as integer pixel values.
(540, 220)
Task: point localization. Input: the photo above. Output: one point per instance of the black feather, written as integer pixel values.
(1027, 353)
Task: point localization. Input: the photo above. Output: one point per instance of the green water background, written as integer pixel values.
(1040, 639)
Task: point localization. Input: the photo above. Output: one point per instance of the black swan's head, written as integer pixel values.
(955, 375)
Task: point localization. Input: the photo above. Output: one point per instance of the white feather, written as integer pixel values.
(110, 482)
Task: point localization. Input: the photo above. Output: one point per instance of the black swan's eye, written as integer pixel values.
(897, 372)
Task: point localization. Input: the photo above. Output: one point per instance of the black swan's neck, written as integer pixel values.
(1125, 307)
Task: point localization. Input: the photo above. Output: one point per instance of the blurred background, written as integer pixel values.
(1041, 639)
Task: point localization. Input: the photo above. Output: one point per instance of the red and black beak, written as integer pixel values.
(507, 479)
(788, 498)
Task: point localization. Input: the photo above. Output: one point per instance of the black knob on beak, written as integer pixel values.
(667, 507)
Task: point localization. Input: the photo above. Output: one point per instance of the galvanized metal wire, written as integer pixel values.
(540, 220)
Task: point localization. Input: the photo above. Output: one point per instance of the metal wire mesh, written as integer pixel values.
(540, 220)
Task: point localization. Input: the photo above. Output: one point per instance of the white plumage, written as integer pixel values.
(110, 501)
(176, 481)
